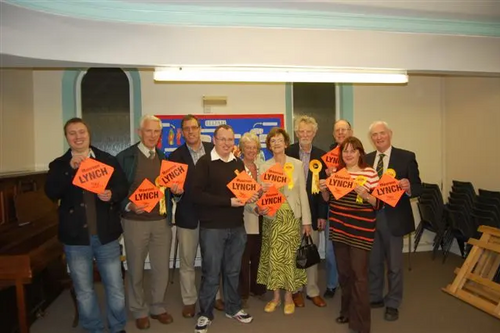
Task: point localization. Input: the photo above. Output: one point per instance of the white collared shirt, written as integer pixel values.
(145, 150)
(214, 156)
(387, 158)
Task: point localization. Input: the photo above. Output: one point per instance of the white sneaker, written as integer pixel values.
(202, 325)
(242, 317)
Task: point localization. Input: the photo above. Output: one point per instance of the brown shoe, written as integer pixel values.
(318, 301)
(219, 305)
(188, 311)
(163, 318)
(298, 299)
(142, 323)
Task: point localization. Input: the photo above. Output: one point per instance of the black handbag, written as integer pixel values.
(307, 253)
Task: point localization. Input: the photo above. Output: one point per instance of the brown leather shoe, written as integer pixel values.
(164, 318)
(219, 305)
(188, 311)
(318, 301)
(142, 323)
(298, 299)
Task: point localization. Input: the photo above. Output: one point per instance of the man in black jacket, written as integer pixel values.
(392, 222)
(186, 217)
(305, 129)
(89, 228)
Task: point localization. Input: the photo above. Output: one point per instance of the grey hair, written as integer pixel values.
(249, 137)
(150, 117)
(305, 119)
(378, 122)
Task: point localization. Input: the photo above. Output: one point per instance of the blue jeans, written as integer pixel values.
(80, 261)
(221, 252)
(332, 276)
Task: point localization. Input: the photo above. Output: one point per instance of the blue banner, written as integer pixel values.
(260, 124)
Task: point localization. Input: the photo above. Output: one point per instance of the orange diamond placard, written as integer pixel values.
(93, 175)
(147, 194)
(388, 190)
(332, 158)
(272, 199)
(243, 186)
(275, 175)
(173, 173)
(340, 183)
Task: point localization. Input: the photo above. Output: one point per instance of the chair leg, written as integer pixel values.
(75, 304)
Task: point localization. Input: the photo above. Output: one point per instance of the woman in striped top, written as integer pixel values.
(352, 230)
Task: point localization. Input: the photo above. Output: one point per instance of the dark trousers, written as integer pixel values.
(386, 248)
(352, 264)
(249, 267)
(221, 251)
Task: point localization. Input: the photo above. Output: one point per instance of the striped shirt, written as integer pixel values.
(353, 223)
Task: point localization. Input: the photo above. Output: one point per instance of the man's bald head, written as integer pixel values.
(341, 130)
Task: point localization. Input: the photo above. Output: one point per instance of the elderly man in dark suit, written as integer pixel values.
(305, 129)
(392, 222)
(186, 218)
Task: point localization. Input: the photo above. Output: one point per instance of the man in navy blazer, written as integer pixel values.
(186, 218)
(392, 222)
(305, 129)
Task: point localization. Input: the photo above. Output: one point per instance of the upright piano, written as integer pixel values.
(31, 262)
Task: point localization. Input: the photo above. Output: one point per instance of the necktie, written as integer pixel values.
(380, 165)
(151, 154)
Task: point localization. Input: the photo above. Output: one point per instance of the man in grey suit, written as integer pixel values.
(392, 222)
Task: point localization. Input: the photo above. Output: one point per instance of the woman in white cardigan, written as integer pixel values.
(281, 233)
(250, 148)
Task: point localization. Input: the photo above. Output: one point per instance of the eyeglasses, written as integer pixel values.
(342, 130)
(190, 128)
(225, 140)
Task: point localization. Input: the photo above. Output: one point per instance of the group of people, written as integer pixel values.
(246, 249)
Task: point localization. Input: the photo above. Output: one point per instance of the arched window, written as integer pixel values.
(105, 95)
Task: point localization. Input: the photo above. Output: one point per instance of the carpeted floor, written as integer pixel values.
(425, 309)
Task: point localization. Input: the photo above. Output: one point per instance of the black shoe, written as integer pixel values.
(342, 320)
(377, 305)
(329, 293)
(391, 314)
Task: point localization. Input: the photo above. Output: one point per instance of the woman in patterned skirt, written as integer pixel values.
(281, 233)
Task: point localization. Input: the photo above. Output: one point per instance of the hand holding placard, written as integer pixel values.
(93, 175)
(388, 190)
(340, 183)
(331, 158)
(243, 186)
(172, 173)
(275, 175)
(147, 194)
(272, 200)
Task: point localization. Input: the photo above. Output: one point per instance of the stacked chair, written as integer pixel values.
(459, 219)
(431, 207)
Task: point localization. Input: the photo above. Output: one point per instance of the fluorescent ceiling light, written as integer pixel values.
(278, 74)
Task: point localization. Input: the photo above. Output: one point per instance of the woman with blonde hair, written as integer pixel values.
(249, 146)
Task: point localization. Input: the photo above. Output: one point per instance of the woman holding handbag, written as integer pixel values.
(352, 230)
(281, 233)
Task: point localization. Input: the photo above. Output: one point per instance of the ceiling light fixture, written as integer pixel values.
(278, 74)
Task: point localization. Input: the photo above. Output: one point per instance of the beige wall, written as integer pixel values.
(48, 116)
(16, 120)
(472, 132)
(413, 112)
(183, 98)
